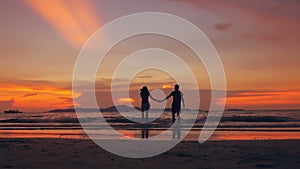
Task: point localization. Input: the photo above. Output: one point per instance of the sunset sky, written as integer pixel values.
(258, 43)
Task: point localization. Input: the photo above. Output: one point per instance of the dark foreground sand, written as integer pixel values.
(66, 153)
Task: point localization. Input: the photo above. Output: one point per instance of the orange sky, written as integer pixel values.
(257, 41)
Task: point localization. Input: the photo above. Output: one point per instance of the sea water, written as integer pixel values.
(234, 125)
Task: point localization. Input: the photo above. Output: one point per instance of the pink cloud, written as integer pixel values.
(256, 19)
(223, 26)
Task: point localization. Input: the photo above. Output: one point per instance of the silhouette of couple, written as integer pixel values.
(176, 104)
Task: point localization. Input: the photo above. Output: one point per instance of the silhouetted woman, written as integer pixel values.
(145, 101)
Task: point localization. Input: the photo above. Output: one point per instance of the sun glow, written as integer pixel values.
(167, 87)
(126, 100)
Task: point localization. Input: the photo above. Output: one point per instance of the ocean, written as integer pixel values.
(235, 125)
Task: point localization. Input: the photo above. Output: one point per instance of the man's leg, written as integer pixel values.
(143, 133)
(173, 116)
(178, 110)
(147, 133)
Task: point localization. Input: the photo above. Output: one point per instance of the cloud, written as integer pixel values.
(223, 26)
(28, 95)
(246, 99)
(66, 99)
(31, 85)
(49, 93)
(145, 77)
(264, 99)
(256, 17)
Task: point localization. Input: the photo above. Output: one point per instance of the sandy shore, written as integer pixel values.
(67, 153)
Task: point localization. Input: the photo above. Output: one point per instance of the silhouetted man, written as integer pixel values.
(176, 104)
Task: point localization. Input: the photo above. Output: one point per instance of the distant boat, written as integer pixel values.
(12, 111)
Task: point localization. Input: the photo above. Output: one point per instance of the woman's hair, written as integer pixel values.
(145, 90)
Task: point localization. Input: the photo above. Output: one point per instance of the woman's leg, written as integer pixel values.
(147, 115)
(142, 114)
(173, 116)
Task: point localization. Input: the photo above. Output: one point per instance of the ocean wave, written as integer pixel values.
(258, 119)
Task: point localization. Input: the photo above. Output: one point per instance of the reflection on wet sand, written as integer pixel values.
(146, 132)
(176, 129)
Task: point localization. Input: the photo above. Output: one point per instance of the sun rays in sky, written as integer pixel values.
(257, 41)
(74, 20)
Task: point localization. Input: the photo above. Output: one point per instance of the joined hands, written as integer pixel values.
(157, 99)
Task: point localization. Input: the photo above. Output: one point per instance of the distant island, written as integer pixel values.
(235, 110)
(12, 111)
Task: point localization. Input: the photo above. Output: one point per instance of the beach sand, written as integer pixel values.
(71, 153)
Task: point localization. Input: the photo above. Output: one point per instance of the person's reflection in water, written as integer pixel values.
(176, 129)
(145, 132)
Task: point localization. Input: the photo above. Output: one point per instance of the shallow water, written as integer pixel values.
(235, 125)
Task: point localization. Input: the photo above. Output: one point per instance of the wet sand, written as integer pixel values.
(80, 153)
